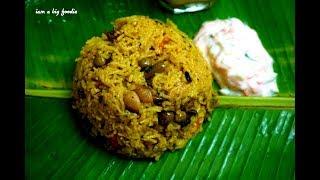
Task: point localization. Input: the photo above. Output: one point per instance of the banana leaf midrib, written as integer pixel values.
(222, 101)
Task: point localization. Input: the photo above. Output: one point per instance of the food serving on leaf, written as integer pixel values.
(237, 58)
(144, 87)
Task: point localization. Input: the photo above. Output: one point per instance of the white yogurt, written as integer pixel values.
(237, 58)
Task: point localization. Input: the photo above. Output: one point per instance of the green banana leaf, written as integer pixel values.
(237, 142)
(255, 142)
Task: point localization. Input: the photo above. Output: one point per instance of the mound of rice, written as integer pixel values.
(144, 87)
